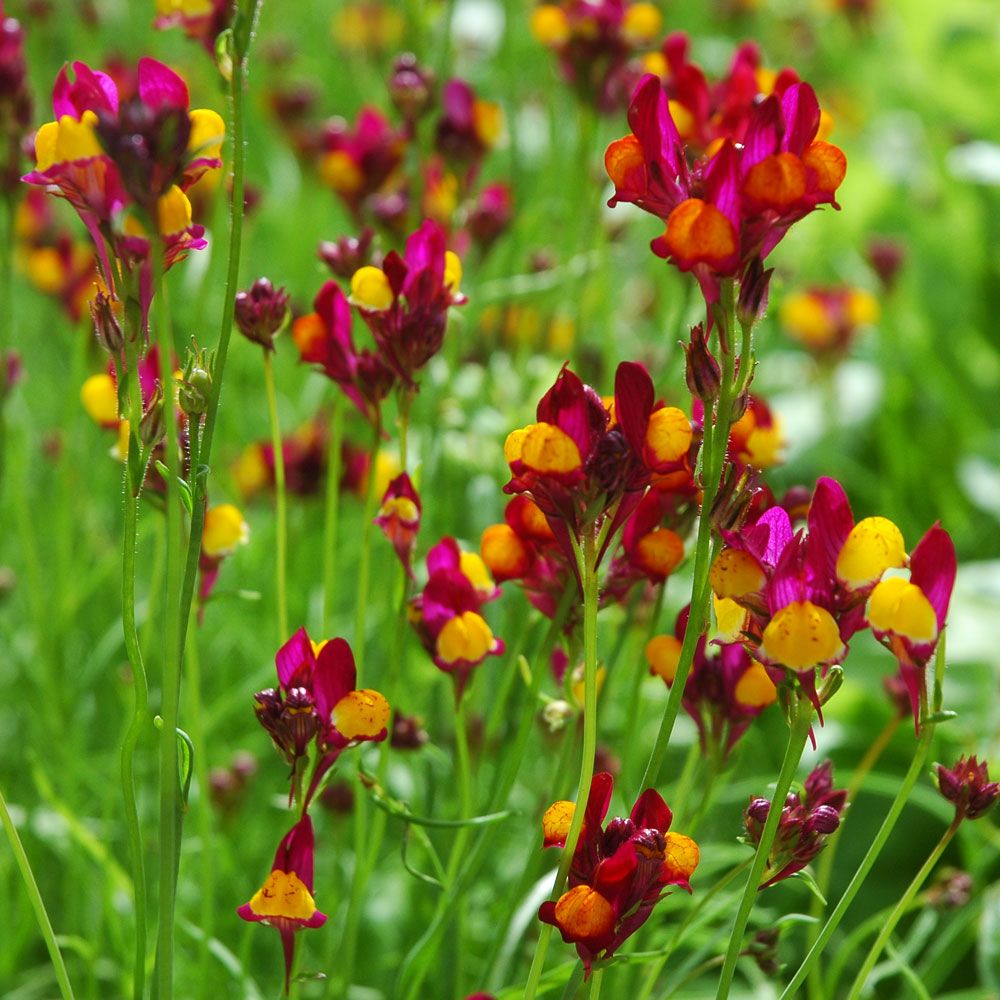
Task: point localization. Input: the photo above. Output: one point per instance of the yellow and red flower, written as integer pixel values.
(285, 900)
(619, 871)
(399, 518)
(826, 320)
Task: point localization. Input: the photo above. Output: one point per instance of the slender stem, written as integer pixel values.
(364, 559)
(900, 908)
(169, 839)
(824, 870)
(595, 984)
(280, 500)
(927, 728)
(37, 903)
(797, 736)
(332, 513)
(588, 561)
(461, 842)
(133, 474)
(713, 455)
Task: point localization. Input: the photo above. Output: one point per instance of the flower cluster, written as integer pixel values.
(726, 210)
(594, 42)
(619, 871)
(404, 304)
(447, 613)
(968, 787)
(724, 692)
(806, 822)
(124, 165)
(796, 599)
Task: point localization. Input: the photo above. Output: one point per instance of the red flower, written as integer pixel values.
(399, 518)
(618, 873)
(285, 900)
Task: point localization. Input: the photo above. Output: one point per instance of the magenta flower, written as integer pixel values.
(399, 518)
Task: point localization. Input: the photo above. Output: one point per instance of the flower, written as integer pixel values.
(285, 901)
(967, 784)
(224, 531)
(201, 20)
(619, 871)
(806, 822)
(316, 701)
(399, 518)
(261, 312)
(826, 320)
(732, 206)
(447, 613)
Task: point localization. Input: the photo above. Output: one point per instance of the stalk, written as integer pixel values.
(331, 514)
(588, 574)
(713, 455)
(798, 733)
(365, 558)
(280, 499)
(900, 908)
(37, 903)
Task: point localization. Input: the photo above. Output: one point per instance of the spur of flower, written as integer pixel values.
(582, 461)
(806, 821)
(447, 613)
(620, 870)
(732, 206)
(285, 900)
(316, 704)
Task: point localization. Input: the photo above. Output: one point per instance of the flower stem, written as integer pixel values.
(900, 908)
(798, 733)
(280, 500)
(927, 728)
(332, 513)
(37, 903)
(824, 869)
(365, 558)
(588, 564)
(595, 984)
(714, 445)
(169, 832)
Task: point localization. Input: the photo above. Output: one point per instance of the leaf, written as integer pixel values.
(988, 952)
(806, 877)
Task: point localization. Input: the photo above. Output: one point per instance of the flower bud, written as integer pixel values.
(410, 87)
(752, 303)
(702, 371)
(104, 310)
(152, 427)
(261, 312)
(195, 391)
(347, 254)
(968, 786)
(407, 733)
(824, 819)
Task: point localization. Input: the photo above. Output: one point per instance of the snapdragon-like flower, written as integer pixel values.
(727, 210)
(285, 900)
(724, 692)
(826, 320)
(806, 822)
(316, 704)
(968, 787)
(224, 532)
(469, 126)
(200, 20)
(405, 302)
(447, 613)
(619, 871)
(580, 462)
(399, 518)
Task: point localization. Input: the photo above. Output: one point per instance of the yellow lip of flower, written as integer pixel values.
(503, 551)
(370, 289)
(642, 23)
(578, 687)
(549, 450)
(224, 530)
(550, 26)
(100, 398)
(735, 574)
(668, 434)
(806, 318)
(361, 715)
(663, 653)
(474, 570)
(584, 913)
(66, 140)
(763, 446)
(681, 855)
(465, 637)
(452, 271)
(173, 212)
(487, 121)
(208, 131)
(730, 618)
(874, 545)
(340, 172)
(755, 689)
(284, 894)
(660, 552)
(862, 307)
(802, 635)
(556, 822)
(400, 508)
(899, 606)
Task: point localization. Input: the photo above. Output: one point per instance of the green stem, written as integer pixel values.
(927, 728)
(460, 845)
(169, 839)
(588, 575)
(365, 557)
(595, 984)
(824, 870)
(133, 474)
(280, 499)
(332, 513)
(797, 735)
(900, 908)
(714, 445)
(37, 903)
